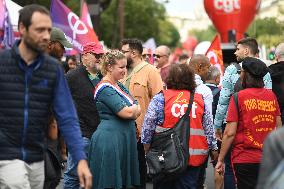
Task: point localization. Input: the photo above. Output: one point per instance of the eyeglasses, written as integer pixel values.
(158, 56)
(123, 51)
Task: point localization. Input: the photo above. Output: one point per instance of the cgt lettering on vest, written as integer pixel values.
(180, 105)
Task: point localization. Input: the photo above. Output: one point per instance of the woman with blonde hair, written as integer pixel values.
(113, 156)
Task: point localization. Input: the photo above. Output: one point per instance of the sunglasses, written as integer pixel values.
(158, 56)
(98, 56)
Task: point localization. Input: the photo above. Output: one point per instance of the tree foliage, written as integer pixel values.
(143, 20)
(268, 31)
(204, 35)
(72, 4)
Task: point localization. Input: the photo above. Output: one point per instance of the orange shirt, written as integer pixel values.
(144, 85)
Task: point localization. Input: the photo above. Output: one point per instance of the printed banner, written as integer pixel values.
(85, 15)
(77, 31)
(7, 38)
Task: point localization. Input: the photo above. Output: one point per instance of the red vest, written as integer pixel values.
(176, 103)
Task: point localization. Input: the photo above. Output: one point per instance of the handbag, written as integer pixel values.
(168, 154)
(52, 167)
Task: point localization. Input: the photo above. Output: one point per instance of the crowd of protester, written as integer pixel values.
(100, 115)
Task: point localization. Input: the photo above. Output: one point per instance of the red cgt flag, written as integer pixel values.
(214, 53)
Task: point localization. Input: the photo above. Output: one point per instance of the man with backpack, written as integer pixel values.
(212, 81)
(247, 47)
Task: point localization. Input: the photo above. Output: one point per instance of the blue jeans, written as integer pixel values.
(188, 180)
(229, 178)
(71, 180)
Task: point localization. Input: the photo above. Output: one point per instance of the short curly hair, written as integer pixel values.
(134, 44)
(181, 77)
(110, 58)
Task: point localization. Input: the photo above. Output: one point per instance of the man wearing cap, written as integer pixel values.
(57, 43)
(55, 148)
(252, 114)
(82, 81)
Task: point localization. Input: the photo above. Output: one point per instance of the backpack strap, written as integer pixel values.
(235, 95)
(239, 68)
(215, 91)
(238, 85)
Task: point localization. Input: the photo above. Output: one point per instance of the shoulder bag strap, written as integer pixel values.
(188, 108)
(189, 104)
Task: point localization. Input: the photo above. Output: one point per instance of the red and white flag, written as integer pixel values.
(215, 55)
(85, 15)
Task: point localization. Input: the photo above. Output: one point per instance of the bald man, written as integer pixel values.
(277, 76)
(201, 64)
(162, 54)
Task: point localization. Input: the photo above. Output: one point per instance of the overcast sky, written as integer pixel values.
(180, 6)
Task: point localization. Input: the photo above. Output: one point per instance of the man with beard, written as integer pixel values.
(247, 47)
(31, 83)
(82, 82)
(57, 43)
(143, 82)
(56, 148)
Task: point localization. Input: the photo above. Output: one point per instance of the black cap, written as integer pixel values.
(255, 67)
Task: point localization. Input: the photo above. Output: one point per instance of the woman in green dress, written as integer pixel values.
(113, 154)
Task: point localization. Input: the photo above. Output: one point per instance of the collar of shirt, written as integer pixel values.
(211, 84)
(198, 80)
(93, 77)
(23, 65)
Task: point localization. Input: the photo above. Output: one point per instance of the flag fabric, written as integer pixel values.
(77, 31)
(150, 44)
(215, 55)
(7, 38)
(85, 15)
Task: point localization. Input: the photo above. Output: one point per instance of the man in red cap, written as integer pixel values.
(82, 81)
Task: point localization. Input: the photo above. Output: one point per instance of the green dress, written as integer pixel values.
(113, 155)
